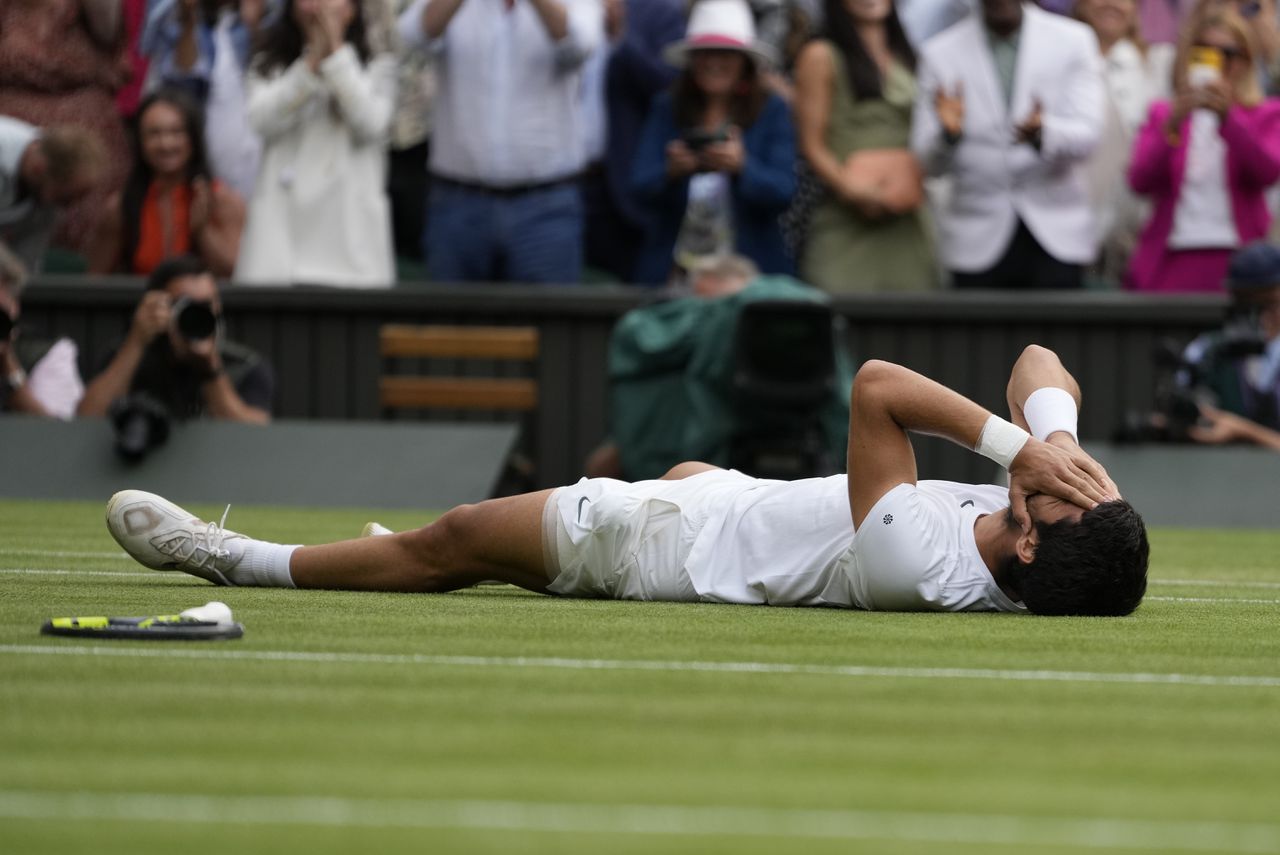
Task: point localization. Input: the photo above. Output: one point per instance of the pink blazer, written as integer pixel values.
(1252, 135)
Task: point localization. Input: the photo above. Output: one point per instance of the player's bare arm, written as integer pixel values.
(889, 401)
(1039, 370)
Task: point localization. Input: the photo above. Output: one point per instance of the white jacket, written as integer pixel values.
(996, 180)
(319, 212)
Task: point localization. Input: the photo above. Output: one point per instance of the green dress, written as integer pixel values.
(844, 252)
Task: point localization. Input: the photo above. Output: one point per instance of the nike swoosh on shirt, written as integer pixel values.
(966, 503)
(580, 503)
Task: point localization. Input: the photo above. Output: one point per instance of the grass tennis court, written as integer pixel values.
(493, 720)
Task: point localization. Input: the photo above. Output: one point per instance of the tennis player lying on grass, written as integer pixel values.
(1058, 541)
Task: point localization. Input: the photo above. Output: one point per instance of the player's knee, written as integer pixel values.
(684, 470)
(444, 548)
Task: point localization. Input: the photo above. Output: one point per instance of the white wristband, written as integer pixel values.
(1001, 441)
(1049, 410)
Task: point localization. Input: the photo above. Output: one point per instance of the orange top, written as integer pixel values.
(158, 240)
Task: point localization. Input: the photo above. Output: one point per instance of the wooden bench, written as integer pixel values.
(435, 391)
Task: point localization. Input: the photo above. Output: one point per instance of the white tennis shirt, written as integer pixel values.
(793, 544)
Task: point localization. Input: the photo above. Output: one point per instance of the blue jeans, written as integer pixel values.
(472, 236)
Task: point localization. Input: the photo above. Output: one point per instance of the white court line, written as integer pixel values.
(586, 818)
(35, 571)
(1207, 583)
(62, 553)
(1248, 681)
(1211, 600)
(39, 571)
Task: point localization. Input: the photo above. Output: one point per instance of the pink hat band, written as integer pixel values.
(713, 40)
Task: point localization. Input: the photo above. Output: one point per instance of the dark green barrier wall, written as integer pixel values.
(323, 343)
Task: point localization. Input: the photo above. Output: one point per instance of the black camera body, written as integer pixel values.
(1183, 385)
(141, 425)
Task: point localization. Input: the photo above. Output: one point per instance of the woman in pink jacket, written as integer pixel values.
(1205, 160)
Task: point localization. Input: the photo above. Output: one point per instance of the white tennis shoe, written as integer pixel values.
(373, 529)
(162, 536)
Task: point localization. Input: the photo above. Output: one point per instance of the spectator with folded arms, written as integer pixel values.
(715, 166)
(1205, 160)
(855, 90)
(322, 103)
(170, 205)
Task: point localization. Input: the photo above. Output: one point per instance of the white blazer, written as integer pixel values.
(319, 213)
(996, 180)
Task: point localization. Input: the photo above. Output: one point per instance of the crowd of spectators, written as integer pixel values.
(862, 145)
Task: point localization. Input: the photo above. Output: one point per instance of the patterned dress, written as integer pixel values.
(54, 72)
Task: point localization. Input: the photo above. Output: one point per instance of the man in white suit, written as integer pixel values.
(1010, 108)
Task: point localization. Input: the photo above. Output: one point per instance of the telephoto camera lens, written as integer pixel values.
(196, 320)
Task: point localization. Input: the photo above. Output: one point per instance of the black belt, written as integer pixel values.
(509, 189)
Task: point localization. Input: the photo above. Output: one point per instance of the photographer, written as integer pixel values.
(1239, 365)
(38, 377)
(715, 164)
(176, 359)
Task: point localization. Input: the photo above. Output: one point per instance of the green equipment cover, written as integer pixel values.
(671, 379)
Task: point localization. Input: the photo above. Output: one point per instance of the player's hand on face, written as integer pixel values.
(1083, 459)
(151, 317)
(1042, 467)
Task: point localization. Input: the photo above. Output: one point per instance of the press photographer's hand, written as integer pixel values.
(151, 318)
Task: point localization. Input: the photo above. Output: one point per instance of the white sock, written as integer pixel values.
(263, 565)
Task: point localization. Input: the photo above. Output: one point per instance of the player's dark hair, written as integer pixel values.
(175, 268)
(1097, 566)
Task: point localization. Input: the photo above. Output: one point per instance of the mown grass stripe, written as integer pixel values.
(1247, 681)
(586, 818)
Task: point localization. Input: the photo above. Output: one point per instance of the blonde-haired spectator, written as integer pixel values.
(1205, 160)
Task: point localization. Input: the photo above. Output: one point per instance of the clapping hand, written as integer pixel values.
(201, 205)
(1030, 129)
(251, 12)
(950, 109)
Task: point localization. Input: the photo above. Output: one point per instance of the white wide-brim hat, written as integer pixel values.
(720, 25)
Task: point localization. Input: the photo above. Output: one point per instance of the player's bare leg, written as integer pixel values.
(499, 539)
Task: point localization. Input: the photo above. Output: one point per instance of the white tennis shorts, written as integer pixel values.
(630, 541)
